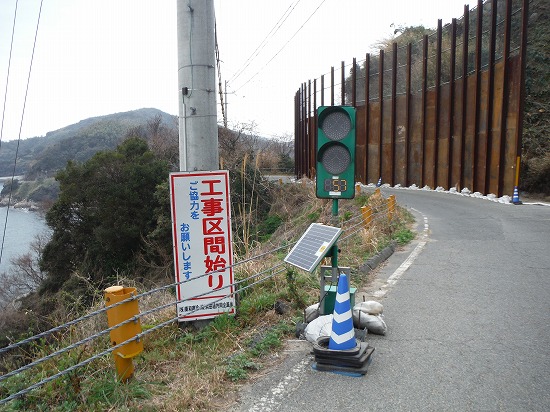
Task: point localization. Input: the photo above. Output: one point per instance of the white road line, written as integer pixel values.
(392, 280)
(274, 399)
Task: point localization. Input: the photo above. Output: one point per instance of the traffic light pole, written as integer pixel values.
(334, 257)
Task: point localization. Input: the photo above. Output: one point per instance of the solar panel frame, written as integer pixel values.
(313, 246)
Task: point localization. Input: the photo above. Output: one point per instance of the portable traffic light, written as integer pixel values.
(335, 152)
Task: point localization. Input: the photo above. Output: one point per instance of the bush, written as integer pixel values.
(535, 174)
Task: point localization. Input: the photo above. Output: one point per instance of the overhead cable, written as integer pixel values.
(264, 42)
(19, 136)
(281, 49)
(8, 74)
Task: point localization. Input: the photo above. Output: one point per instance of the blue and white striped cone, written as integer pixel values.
(515, 197)
(342, 336)
(379, 182)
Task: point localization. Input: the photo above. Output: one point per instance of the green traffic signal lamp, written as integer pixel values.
(335, 152)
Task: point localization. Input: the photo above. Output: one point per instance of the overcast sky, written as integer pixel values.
(99, 57)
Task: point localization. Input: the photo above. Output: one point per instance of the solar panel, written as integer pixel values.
(314, 244)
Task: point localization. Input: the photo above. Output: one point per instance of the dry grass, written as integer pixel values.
(182, 368)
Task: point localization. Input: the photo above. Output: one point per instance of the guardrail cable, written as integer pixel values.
(235, 287)
(140, 295)
(111, 349)
(132, 319)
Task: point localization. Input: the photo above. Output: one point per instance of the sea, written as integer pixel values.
(17, 232)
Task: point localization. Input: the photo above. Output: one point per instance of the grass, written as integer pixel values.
(182, 368)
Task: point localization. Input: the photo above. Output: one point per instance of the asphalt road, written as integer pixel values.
(468, 321)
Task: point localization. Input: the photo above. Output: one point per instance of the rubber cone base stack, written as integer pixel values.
(515, 197)
(351, 362)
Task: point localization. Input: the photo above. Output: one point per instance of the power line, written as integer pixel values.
(264, 42)
(20, 128)
(281, 49)
(7, 79)
(219, 72)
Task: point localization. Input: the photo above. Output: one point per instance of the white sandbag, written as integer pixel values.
(370, 307)
(320, 327)
(312, 312)
(374, 324)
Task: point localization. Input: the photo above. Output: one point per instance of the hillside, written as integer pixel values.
(44, 156)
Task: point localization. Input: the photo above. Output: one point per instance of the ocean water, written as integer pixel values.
(17, 232)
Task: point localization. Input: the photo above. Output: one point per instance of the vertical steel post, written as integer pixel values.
(465, 39)
(354, 83)
(435, 166)
(521, 94)
(451, 101)
(323, 90)
(490, 98)
(393, 124)
(424, 104)
(367, 108)
(332, 86)
(343, 84)
(408, 113)
(479, 34)
(505, 91)
(381, 100)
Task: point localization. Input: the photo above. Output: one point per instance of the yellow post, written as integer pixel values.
(518, 162)
(391, 206)
(377, 192)
(366, 212)
(358, 189)
(123, 355)
(280, 181)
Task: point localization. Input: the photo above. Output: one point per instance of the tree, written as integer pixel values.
(105, 209)
(25, 275)
(163, 141)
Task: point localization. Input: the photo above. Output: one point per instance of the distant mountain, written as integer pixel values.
(44, 156)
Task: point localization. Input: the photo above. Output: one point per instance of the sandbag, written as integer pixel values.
(317, 328)
(370, 307)
(312, 312)
(374, 324)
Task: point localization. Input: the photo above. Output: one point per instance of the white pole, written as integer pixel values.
(198, 131)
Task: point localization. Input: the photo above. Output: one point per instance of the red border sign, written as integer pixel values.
(201, 229)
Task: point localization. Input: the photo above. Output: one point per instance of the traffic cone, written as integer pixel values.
(379, 182)
(342, 336)
(515, 197)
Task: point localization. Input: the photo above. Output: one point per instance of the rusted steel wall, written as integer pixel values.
(446, 111)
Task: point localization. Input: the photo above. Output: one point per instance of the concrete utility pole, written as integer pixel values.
(198, 126)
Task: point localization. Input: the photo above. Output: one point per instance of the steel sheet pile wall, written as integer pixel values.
(446, 111)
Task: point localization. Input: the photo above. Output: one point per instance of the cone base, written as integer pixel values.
(346, 370)
(350, 361)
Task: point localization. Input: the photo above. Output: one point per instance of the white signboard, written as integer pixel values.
(201, 229)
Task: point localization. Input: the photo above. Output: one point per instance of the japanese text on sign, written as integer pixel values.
(202, 243)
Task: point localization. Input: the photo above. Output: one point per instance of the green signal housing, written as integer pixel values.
(335, 152)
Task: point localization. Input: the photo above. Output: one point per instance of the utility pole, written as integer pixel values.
(225, 119)
(198, 128)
